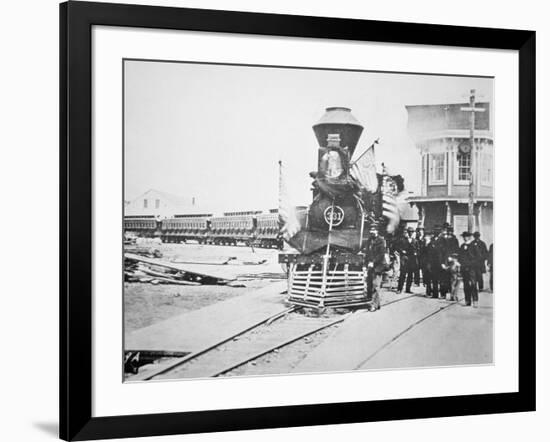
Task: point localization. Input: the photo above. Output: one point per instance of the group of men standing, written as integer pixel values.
(437, 255)
(442, 260)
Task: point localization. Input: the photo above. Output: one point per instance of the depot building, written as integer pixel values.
(450, 165)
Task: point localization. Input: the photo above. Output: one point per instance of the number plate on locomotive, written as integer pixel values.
(336, 213)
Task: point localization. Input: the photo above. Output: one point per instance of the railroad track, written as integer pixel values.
(252, 345)
(270, 335)
(402, 332)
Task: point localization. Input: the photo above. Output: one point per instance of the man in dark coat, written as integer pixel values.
(482, 258)
(469, 257)
(430, 262)
(420, 240)
(407, 247)
(452, 241)
(490, 265)
(442, 244)
(375, 258)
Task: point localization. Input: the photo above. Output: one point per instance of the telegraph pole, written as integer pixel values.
(472, 109)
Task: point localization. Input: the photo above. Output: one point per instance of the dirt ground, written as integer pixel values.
(146, 304)
(198, 252)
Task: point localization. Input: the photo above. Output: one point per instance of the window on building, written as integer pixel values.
(486, 170)
(438, 168)
(145, 203)
(464, 164)
(157, 203)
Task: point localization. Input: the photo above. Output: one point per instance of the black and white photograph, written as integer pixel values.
(233, 221)
(281, 220)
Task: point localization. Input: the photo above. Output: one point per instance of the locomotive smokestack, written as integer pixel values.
(338, 121)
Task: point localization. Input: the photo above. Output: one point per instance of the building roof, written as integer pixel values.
(165, 196)
(429, 199)
(427, 120)
(170, 204)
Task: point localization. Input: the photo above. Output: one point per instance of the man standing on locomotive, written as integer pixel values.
(375, 252)
(407, 247)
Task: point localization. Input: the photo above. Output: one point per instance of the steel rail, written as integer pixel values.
(281, 344)
(298, 337)
(404, 331)
(183, 360)
(179, 361)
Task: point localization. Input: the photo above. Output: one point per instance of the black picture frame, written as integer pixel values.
(76, 21)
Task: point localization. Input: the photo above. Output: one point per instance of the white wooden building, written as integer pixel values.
(160, 205)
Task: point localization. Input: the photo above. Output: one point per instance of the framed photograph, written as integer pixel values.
(273, 221)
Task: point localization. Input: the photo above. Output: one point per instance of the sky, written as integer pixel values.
(217, 132)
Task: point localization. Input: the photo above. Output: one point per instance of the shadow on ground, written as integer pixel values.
(49, 428)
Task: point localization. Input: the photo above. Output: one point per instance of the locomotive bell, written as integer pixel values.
(338, 120)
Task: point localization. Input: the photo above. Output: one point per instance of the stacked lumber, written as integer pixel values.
(146, 273)
(264, 275)
(156, 271)
(148, 251)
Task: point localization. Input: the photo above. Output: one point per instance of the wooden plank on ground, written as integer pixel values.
(198, 269)
(222, 272)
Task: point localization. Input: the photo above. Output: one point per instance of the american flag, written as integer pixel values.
(364, 169)
(288, 222)
(390, 210)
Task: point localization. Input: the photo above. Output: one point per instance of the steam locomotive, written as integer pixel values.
(254, 228)
(327, 269)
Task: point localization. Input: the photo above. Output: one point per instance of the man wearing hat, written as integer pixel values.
(469, 257)
(430, 262)
(375, 251)
(452, 241)
(438, 272)
(447, 244)
(407, 247)
(443, 248)
(483, 252)
(419, 236)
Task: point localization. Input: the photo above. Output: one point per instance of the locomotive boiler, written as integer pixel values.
(328, 268)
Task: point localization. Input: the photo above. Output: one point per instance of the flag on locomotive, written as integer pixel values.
(330, 267)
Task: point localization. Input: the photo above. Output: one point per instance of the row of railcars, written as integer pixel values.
(143, 226)
(183, 229)
(267, 233)
(249, 228)
(232, 230)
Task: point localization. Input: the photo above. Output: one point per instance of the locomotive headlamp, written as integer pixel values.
(333, 140)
